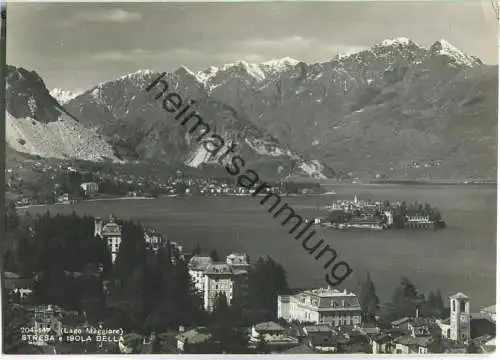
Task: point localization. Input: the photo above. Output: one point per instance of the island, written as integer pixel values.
(380, 215)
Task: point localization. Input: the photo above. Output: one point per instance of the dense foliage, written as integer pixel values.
(368, 300)
(143, 292)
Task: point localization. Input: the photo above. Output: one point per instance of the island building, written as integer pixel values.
(419, 222)
(321, 306)
(213, 278)
(111, 232)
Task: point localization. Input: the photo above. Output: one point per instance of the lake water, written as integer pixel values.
(461, 257)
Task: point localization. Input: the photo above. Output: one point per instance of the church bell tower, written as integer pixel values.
(460, 317)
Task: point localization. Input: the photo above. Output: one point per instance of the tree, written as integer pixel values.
(405, 299)
(368, 300)
(266, 280)
(9, 261)
(214, 256)
(11, 217)
(197, 250)
(439, 302)
(14, 317)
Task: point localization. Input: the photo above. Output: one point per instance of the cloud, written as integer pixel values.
(180, 55)
(115, 15)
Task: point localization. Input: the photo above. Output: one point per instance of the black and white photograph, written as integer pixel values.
(260, 177)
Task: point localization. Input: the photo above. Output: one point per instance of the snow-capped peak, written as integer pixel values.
(137, 75)
(398, 41)
(64, 96)
(258, 71)
(252, 69)
(280, 64)
(185, 70)
(207, 74)
(443, 47)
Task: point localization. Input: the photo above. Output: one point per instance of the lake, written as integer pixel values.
(461, 257)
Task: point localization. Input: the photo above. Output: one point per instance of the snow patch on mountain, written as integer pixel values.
(62, 139)
(443, 47)
(313, 168)
(198, 157)
(279, 64)
(138, 75)
(263, 147)
(404, 41)
(64, 96)
(259, 72)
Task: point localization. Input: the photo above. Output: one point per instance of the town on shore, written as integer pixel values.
(65, 183)
(91, 285)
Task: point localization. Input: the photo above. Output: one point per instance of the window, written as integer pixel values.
(453, 305)
(462, 306)
(448, 333)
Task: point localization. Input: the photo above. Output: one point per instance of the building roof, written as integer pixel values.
(195, 336)
(446, 321)
(329, 298)
(382, 338)
(322, 340)
(110, 229)
(459, 296)
(10, 275)
(409, 340)
(310, 329)
(422, 322)
(400, 321)
(218, 269)
(199, 262)
(492, 309)
(237, 259)
(268, 326)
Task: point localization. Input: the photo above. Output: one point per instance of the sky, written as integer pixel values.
(76, 46)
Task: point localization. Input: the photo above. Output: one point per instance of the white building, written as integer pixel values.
(321, 306)
(212, 278)
(196, 268)
(90, 187)
(389, 216)
(111, 232)
(218, 280)
(238, 260)
(154, 239)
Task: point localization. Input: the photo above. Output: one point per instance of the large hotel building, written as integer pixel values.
(321, 306)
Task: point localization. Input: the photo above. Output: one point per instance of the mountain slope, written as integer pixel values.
(398, 110)
(36, 124)
(140, 129)
(63, 96)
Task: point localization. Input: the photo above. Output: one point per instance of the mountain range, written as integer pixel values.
(396, 110)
